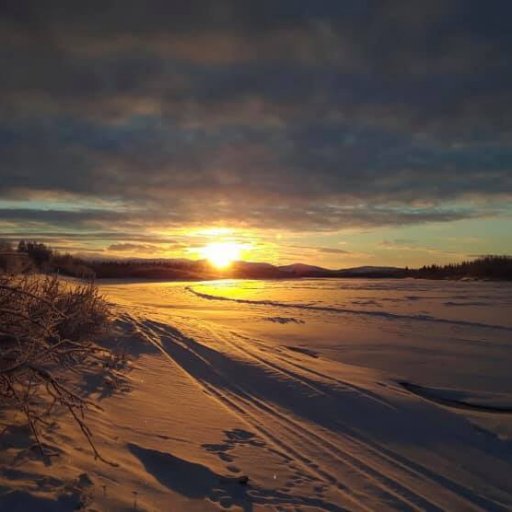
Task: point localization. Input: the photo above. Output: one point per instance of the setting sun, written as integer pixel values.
(221, 254)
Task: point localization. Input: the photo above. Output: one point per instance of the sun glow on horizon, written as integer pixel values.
(221, 254)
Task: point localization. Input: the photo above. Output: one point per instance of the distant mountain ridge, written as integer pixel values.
(176, 269)
(32, 256)
(303, 270)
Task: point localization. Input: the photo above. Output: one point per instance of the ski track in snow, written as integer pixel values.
(330, 396)
(337, 434)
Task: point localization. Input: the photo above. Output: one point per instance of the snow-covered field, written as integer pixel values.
(329, 395)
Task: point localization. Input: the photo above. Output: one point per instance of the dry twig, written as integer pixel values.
(45, 332)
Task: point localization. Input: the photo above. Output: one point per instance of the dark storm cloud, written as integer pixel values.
(291, 114)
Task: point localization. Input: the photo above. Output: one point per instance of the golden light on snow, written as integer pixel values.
(221, 254)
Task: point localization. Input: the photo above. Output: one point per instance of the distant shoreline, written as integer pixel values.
(121, 280)
(33, 257)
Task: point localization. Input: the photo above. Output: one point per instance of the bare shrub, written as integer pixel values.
(46, 328)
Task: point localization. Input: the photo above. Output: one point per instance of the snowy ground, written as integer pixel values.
(329, 395)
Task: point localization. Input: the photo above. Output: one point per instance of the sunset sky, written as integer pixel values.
(338, 133)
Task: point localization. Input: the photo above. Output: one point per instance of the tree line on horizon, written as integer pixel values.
(483, 267)
(30, 256)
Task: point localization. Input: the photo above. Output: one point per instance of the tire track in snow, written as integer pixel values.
(261, 415)
(394, 493)
(401, 490)
(281, 448)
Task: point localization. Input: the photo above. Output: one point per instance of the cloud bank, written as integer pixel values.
(291, 115)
